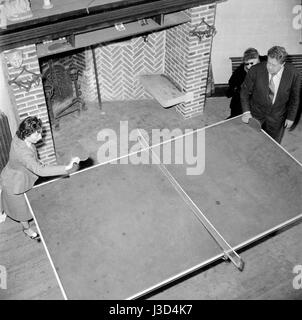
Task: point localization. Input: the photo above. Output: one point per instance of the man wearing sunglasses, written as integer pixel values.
(270, 93)
(250, 58)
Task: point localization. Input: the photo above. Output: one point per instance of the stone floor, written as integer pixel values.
(269, 264)
(146, 114)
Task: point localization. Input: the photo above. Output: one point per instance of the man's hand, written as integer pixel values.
(246, 117)
(288, 123)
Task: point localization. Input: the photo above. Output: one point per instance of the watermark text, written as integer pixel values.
(297, 281)
(164, 146)
(3, 277)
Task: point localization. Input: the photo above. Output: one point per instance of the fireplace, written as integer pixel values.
(110, 70)
(60, 77)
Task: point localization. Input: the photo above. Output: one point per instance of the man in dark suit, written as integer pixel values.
(270, 93)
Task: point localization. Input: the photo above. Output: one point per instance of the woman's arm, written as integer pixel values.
(31, 163)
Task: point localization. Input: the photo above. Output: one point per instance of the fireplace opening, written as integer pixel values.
(111, 73)
(61, 82)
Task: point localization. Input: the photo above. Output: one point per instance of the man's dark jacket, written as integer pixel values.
(254, 94)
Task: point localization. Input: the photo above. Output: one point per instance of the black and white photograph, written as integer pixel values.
(151, 151)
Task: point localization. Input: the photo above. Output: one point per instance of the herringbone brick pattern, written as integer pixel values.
(88, 81)
(79, 60)
(120, 64)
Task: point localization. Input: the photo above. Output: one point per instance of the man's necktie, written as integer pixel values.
(271, 88)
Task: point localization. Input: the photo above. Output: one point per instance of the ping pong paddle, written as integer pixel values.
(254, 123)
(76, 154)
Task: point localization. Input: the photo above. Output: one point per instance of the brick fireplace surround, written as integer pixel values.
(173, 52)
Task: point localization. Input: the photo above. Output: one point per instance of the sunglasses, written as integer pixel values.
(249, 63)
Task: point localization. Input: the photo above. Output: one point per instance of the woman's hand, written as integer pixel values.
(74, 168)
(73, 165)
(72, 161)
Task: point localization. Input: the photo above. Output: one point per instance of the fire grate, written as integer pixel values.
(62, 90)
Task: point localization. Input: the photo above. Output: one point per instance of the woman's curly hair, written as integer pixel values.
(28, 126)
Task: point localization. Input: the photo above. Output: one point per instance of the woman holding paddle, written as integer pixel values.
(22, 170)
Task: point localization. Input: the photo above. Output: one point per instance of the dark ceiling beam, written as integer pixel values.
(80, 24)
(73, 14)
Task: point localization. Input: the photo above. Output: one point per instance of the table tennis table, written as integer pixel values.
(121, 231)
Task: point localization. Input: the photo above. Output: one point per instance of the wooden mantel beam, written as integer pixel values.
(95, 18)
